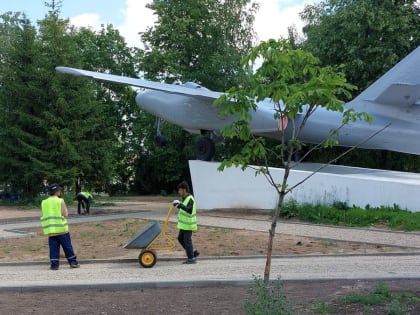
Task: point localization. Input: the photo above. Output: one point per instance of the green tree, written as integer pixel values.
(81, 135)
(53, 127)
(294, 78)
(368, 37)
(160, 168)
(22, 157)
(201, 41)
(106, 51)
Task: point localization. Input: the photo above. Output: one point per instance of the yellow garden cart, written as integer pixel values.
(150, 239)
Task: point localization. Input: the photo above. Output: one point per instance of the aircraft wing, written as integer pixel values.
(198, 91)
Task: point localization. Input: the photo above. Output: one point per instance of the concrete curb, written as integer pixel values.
(135, 285)
(167, 259)
(171, 284)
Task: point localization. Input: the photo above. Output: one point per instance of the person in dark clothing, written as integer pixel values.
(187, 221)
(83, 201)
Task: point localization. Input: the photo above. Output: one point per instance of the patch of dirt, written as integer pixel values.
(302, 296)
(105, 239)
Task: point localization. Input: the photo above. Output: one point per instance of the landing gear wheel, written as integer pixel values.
(147, 258)
(204, 149)
(161, 141)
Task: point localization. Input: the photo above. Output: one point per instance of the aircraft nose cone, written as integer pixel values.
(147, 101)
(154, 102)
(141, 99)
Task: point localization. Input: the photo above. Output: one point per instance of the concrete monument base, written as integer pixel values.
(234, 188)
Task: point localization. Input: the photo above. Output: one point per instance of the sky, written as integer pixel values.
(131, 17)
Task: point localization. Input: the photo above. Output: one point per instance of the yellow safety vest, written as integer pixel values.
(187, 221)
(52, 221)
(87, 195)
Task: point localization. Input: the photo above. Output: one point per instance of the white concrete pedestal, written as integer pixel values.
(234, 188)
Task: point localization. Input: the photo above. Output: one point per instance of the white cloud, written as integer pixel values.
(273, 22)
(137, 19)
(91, 20)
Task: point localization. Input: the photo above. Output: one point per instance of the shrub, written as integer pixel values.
(266, 299)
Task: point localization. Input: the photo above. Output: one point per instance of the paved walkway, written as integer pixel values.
(167, 273)
(232, 270)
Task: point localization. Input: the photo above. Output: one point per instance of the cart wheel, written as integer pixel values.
(147, 258)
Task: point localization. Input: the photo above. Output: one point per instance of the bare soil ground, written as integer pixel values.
(105, 239)
(303, 297)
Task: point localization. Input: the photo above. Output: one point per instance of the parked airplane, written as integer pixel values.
(394, 100)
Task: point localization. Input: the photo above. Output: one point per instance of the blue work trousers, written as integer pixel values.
(64, 241)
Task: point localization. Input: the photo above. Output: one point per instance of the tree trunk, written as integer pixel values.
(272, 232)
(77, 185)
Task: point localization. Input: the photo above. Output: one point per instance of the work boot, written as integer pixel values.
(189, 261)
(196, 253)
(74, 266)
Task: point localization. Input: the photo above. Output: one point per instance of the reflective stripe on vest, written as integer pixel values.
(52, 221)
(87, 195)
(187, 221)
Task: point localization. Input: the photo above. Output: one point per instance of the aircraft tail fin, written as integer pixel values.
(400, 86)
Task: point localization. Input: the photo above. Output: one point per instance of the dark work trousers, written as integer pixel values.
(64, 240)
(185, 239)
(82, 202)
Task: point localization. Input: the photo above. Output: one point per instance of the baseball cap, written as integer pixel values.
(53, 188)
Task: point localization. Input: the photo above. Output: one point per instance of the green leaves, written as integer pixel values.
(53, 127)
(297, 85)
(368, 36)
(254, 149)
(199, 40)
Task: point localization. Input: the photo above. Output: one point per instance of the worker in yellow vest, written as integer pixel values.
(187, 221)
(83, 201)
(54, 224)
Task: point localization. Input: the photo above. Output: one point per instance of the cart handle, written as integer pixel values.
(168, 216)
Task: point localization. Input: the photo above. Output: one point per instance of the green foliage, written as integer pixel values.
(368, 38)
(296, 83)
(340, 214)
(52, 130)
(297, 86)
(22, 149)
(87, 151)
(106, 51)
(379, 295)
(396, 303)
(379, 298)
(199, 40)
(266, 299)
(36, 201)
(202, 41)
(160, 169)
(57, 128)
(323, 308)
